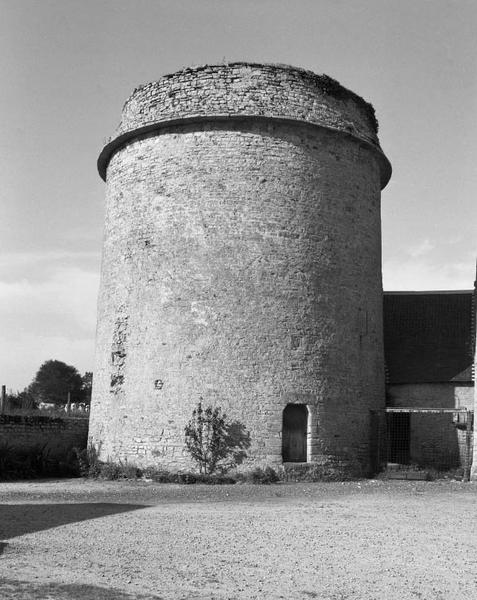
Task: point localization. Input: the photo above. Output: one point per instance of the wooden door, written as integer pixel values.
(294, 433)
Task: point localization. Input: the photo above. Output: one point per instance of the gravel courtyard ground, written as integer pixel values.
(92, 540)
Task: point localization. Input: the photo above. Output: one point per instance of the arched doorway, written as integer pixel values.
(294, 433)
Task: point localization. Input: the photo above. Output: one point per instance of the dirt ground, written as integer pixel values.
(92, 540)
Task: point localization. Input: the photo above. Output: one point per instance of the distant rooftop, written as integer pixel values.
(429, 336)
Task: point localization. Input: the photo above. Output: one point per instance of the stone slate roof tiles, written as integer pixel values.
(429, 336)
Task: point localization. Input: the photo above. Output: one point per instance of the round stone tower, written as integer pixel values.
(241, 265)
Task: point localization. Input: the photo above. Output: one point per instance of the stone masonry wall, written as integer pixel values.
(248, 90)
(60, 435)
(241, 264)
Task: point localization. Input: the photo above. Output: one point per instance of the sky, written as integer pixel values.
(67, 66)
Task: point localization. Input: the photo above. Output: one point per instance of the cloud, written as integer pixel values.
(421, 249)
(40, 265)
(50, 313)
(421, 274)
(64, 304)
(25, 355)
(447, 265)
(20, 259)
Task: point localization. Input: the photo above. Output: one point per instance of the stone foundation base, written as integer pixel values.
(327, 470)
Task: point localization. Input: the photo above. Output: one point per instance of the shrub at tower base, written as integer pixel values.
(214, 442)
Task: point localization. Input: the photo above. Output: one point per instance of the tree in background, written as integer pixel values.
(87, 386)
(52, 382)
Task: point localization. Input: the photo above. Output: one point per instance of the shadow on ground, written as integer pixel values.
(19, 519)
(25, 590)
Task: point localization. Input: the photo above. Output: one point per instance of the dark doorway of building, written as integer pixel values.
(399, 438)
(294, 433)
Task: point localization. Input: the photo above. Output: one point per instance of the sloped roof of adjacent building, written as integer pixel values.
(429, 336)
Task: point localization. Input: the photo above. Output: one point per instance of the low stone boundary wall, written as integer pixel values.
(58, 433)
